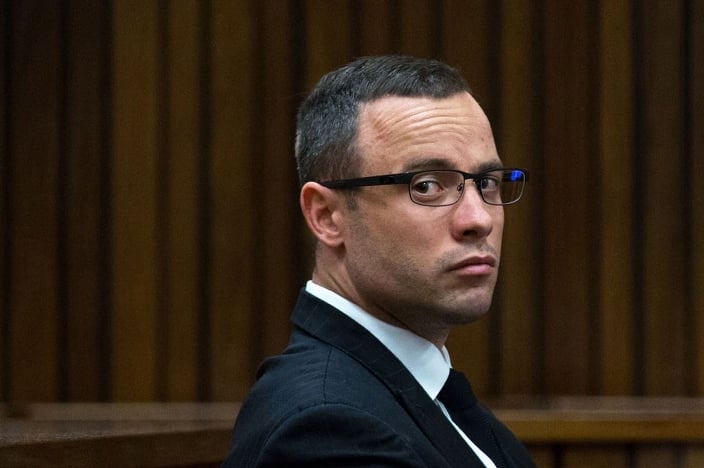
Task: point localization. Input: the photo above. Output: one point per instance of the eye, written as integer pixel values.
(427, 184)
(426, 187)
(489, 183)
(436, 188)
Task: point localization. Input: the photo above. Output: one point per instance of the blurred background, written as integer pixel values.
(151, 241)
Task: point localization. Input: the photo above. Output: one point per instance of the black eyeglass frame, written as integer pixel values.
(407, 178)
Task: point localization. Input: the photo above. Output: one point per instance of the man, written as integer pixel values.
(403, 189)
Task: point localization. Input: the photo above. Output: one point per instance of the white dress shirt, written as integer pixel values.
(429, 365)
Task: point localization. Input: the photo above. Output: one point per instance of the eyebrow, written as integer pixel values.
(441, 163)
(491, 166)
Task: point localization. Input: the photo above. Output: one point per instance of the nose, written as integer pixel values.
(473, 218)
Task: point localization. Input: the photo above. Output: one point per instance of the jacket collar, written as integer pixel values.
(329, 325)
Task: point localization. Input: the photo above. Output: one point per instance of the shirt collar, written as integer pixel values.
(429, 365)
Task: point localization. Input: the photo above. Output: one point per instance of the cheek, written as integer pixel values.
(497, 233)
(388, 238)
(408, 232)
(387, 234)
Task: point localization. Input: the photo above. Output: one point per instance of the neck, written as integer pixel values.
(347, 290)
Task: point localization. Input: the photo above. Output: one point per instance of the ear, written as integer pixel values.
(323, 210)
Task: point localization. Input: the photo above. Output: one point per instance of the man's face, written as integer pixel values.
(425, 268)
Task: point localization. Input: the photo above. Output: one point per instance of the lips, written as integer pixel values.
(475, 265)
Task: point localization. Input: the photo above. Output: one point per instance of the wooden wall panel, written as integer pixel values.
(34, 146)
(594, 457)
(235, 322)
(469, 42)
(134, 206)
(83, 206)
(328, 42)
(374, 27)
(663, 212)
(5, 164)
(151, 239)
(653, 456)
(280, 68)
(615, 281)
(418, 28)
(617, 454)
(696, 194)
(694, 457)
(567, 188)
(543, 456)
(178, 210)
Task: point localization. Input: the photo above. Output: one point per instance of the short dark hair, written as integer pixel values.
(327, 120)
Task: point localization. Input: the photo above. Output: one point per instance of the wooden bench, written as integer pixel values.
(116, 434)
(610, 432)
(559, 432)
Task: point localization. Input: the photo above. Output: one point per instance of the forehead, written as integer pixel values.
(395, 131)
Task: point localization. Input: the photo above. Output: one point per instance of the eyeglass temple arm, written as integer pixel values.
(514, 174)
(368, 181)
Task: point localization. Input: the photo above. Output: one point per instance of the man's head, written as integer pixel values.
(327, 121)
(424, 268)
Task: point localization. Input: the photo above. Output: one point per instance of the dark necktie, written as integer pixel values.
(459, 399)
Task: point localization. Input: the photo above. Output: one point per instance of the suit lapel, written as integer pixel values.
(436, 427)
(319, 319)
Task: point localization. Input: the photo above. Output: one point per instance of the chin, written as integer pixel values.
(471, 309)
(463, 314)
(471, 316)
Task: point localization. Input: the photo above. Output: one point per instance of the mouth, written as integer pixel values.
(479, 265)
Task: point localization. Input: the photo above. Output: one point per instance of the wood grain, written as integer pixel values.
(151, 238)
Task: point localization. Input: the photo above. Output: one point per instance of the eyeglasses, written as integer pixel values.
(445, 187)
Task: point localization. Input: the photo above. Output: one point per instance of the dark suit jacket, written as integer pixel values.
(338, 397)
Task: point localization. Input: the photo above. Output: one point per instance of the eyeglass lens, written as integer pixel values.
(440, 188)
